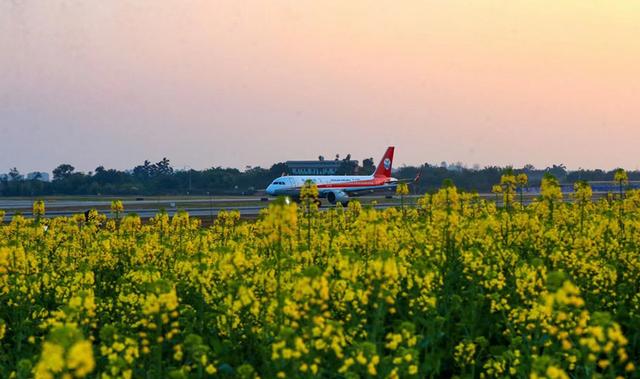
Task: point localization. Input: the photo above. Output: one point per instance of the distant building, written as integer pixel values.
(328, 167)
(42, 176)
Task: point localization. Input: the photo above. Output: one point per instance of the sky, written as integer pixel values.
(253, 82)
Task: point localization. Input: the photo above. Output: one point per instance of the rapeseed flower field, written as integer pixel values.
(455, 286)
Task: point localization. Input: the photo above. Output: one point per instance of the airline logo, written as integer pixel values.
(383, 169)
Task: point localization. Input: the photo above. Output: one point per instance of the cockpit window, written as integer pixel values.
(278, 183)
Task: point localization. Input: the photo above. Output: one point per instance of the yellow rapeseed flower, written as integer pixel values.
(80, 359)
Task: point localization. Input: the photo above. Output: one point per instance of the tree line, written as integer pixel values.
(161, 178)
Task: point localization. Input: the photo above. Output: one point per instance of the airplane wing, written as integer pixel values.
(414, 180)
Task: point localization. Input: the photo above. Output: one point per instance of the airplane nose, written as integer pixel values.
(269, 190)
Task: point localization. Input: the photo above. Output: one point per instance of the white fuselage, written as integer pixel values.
(290, 185)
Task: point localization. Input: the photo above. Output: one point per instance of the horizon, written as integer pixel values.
(493, 83)
(449, 165)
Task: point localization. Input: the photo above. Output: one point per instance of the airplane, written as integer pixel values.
(340, 188)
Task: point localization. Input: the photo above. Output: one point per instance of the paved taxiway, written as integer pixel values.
(248, 206)
(197, 206)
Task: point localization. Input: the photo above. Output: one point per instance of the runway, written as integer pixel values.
(7, 204)
(197, 206)
(248, 206)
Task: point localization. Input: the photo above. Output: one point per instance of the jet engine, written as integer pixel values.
(338, 196)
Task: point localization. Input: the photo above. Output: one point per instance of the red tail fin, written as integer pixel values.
(383, 170)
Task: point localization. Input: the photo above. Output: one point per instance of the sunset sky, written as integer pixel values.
(243, 82)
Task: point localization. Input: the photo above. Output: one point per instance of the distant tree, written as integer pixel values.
(144, 170)
(148, 170)
(15, 175)
(110, 178)
(320, 158)
(63, 171)
(279, 169)
(347, 166)
(162, 168)
(558, 171)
